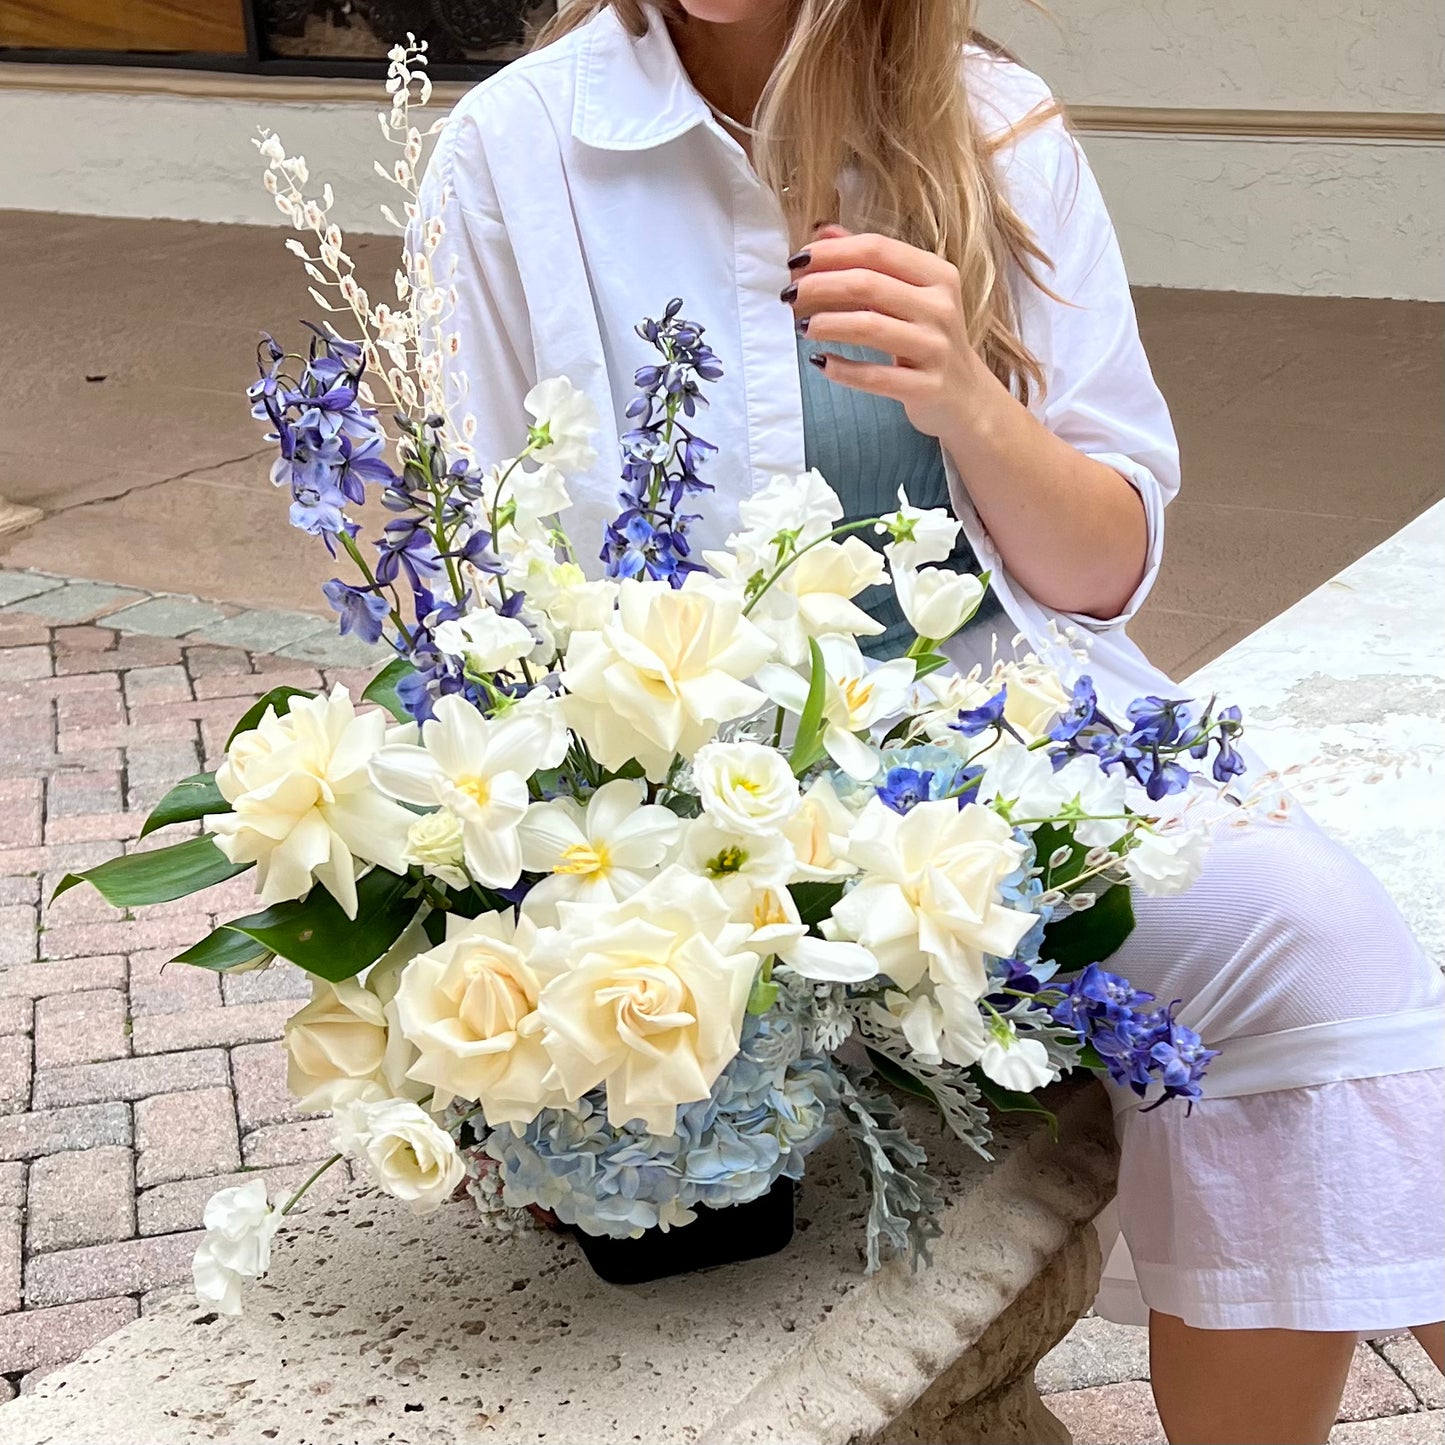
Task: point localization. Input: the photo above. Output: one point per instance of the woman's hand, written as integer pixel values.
(877, 292)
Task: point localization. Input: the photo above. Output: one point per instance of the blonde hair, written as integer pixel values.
(874, 88)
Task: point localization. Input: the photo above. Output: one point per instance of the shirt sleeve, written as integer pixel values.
(1099, 393)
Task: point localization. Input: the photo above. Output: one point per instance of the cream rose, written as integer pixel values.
(406, 1152)
(337, 1046)
(648, 999)
(814, 829)
(468, 1007)
(434, 843)
(745, 786)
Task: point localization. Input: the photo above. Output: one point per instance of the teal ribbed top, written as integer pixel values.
(866, 448)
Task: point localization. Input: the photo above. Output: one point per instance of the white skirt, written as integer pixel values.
(1306, 1191)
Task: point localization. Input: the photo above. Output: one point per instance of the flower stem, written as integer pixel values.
(839, 531)
(310, 1180)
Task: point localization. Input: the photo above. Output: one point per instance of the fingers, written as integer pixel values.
(909, 344)
(834, 249)
(898, 382)
(858, 289)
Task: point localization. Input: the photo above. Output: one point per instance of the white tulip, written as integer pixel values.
(568, 421)
(937, 601)
(1168, 859)
(237, 1245)
(486, 641)
(745, 786)
(303, 804)
(648, 998)
(406, 1152)
(599, 854)
(661, 676)
(478, 768)
(918, 535)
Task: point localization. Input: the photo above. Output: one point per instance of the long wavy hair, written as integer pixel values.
(874, 89)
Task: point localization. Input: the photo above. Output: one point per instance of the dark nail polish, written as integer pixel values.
(803, 327)
(799, 259)
(818, 359)
(789, 293)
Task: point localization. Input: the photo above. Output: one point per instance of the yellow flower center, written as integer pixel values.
(479, 790)
(729, 860)
(856, 693)
(768, 911)
(584, 858)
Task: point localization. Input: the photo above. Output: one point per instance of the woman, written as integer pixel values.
(969, 333)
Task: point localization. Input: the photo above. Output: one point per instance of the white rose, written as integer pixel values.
(469, 1008)
(660, 677)
(303, 805)
(237, 1245)
(746, 786)
(339, 1046)
(485, 640)
(1168, 859)
(406, 1152)
(648, 999)
(566, 420)
(434, 844)
(937, 601)
(813, 830)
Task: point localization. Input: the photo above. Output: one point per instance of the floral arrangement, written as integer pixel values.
(639, 880)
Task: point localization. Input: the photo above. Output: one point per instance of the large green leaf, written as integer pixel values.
(278, 697)
(1011, 1101)
(807, 744)
(1079, 939)
(223, 950)
(190, 799)
(316, 934)
(382, 688)
(815, 900)
(157, 876)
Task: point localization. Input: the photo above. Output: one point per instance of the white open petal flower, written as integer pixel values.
(599, 854)
(237, 1245)
(927, 903)
(1019, 1064)
(814, 829)
(478, 768)
(648, 998)
(812, 598)
(406, 1152)
(663, 674)
(779, 932)
(1169, 858)
(737, 864)
(1024, 782)
(937, 601)
(858, 695)
(805, 507)
(568, 421)
(919, 535)
(469, 1009)
(485, 640)
(745, 786)
(338, 1046)
(303, 804)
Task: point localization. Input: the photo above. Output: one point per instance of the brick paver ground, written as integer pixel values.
(130, 1091)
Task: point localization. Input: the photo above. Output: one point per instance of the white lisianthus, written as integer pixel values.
(648, 998)
(858, 694)
(918, 535)
(802, 508)
(406, 1152)
(339, 1046)
(779, 932)
(303, 804)
(237, 1245)
(1168, 859)
(820, 819)
(737, 864)
(468, 1007)
(1025, 784)
(599, 854)
(1019, 1064)
(566, 422)
(661, 676)
(478, 768)
(434, 844)
(486, 641)
(937, 601)
(927, 903)
(745, 786)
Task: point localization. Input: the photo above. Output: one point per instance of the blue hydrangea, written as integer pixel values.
(768, 1110)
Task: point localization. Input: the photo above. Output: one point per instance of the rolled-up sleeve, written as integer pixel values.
(1099, 393)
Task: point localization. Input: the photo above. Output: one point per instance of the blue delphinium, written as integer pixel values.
(767, 1111)
(662, 455)
(919, 774)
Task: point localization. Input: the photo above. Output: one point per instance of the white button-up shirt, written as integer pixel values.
(587, 183)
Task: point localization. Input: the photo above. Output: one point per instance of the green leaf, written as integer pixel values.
(1010, 1101)
(382, 688)
(763, 996)
(900, 1078)
(315, 934)
(157, 876)
(278, 697)
(929, 662)
(815, 900)
(1079, 939)
(1090, 1058)
(807, 745)
(224, 950)
(190, 799)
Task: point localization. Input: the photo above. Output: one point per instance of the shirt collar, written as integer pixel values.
(632, 93)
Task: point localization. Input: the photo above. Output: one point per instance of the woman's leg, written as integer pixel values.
(1246, 1387)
